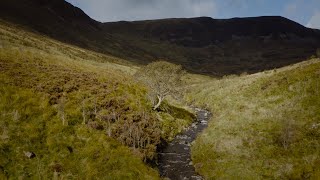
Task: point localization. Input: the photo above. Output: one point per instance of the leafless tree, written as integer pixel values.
(162, 79)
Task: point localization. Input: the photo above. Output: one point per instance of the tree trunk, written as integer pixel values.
(55, 175)
(158, 104)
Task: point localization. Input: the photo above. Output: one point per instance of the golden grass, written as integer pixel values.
(14, 38)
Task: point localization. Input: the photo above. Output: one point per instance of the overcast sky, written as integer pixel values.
(306, 12)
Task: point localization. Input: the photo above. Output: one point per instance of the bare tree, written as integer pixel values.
(162, 79)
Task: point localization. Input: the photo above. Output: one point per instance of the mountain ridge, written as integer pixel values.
(202, 45)
(214, 29)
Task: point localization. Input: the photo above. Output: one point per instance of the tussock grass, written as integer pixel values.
(30, 124)
(264, 125)
(79, 112)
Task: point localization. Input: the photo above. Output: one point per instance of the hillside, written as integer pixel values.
(68, 112)
(54, 102)
(62, 21)
(265, 125)
(222, 46)
(202, 45)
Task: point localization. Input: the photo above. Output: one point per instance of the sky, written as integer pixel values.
(305, 12)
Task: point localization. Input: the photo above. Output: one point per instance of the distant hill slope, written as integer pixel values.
(222, 46)
(205, 31)
(202, 45)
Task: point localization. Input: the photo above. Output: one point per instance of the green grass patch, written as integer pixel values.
(174, 120)
(30, 124)
(264, 126)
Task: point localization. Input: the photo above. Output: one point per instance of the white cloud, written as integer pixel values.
(115, 10)
(314, 21)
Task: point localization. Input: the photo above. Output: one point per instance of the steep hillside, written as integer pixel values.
(55, 18)
(264, 125)
(66, 112)
(203, 45)
(60, 20)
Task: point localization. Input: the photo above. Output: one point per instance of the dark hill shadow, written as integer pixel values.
(202, 45)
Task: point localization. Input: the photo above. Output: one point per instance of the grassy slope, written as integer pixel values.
(43, 82)
(30, 124)
(75, 98)
(264, 126)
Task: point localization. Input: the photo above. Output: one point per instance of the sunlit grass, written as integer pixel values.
(30, 124)
(264, 125)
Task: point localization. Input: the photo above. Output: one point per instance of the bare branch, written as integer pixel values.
(162, 79)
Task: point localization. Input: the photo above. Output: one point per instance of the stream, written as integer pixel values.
(174, 161)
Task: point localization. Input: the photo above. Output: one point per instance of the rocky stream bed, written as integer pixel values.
(174, 161)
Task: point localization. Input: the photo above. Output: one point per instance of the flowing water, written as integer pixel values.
(175, 159)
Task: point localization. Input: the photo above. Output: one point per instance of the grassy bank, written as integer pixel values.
(71, 113)
(174, 119)
(264, 125)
